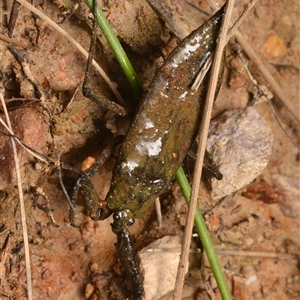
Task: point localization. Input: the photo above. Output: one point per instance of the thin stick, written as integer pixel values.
(232, 252)
(44, 158)
(25, 66)
(21, 200)
(271, 255)
(34, 153)
(158, 212)
(78, 46)
(13, 17)
(200, 157)
(12, 41)
(46, 209)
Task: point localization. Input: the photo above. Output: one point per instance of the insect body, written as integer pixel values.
(162, 132)
(165, 126)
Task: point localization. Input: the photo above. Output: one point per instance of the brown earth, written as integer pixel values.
(256, 231)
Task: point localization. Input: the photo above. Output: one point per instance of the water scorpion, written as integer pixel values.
(158, 140)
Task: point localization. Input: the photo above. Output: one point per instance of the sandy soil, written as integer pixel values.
(256, 231)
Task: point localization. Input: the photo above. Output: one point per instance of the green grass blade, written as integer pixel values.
(117, 50)
(205, 237)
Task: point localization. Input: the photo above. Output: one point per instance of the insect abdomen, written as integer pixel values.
(165, 125)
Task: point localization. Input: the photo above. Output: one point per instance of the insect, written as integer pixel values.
(155, 145)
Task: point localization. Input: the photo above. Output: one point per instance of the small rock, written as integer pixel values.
(273, 47)
(28, 124)
(47, 274)
(159, 262)
(89, 290)
(240, 143)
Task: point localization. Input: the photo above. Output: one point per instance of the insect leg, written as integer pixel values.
(209, 167)
(74, 198)
(91, 197)
(99, 99)
(126, 255)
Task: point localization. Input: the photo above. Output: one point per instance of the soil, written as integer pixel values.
(256, 230)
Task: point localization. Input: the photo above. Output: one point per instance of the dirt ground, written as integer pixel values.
(256, 230)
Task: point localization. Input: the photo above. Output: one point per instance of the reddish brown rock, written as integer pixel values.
(29, 126)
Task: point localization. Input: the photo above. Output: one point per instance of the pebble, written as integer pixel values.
(28, 124)
(159, 266)
(273, 47)
(240, 143)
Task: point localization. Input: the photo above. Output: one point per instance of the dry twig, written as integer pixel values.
(203, 132)
(12, 41)
(21, 199)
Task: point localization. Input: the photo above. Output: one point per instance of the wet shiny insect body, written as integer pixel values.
(159, 138)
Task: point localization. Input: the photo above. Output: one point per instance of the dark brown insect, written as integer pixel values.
(158, 140)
